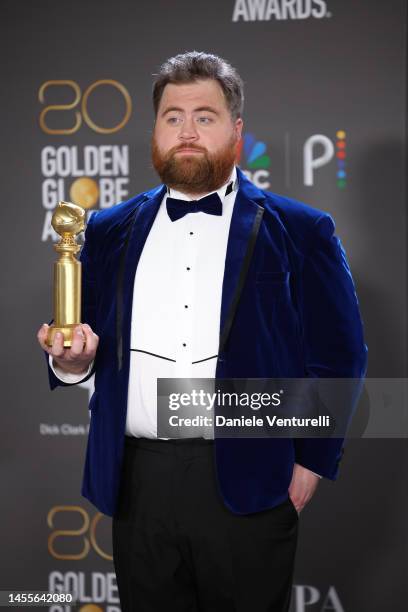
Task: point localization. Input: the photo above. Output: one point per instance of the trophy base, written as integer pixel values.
(67, 330)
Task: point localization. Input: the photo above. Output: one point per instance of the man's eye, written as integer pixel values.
(173, 120)
(204, 120)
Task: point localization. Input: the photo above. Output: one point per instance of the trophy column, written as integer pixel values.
(68, 221)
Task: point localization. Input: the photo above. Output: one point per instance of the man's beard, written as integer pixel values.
(195, 173)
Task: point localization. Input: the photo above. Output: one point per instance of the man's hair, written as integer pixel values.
(194, 66)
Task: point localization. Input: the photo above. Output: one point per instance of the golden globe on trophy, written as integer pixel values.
(68, 220)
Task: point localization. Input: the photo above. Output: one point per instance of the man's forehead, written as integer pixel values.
(202, 92)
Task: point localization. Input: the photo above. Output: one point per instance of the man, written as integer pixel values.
(237, 283)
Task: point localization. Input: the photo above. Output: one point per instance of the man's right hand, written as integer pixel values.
(77, 358)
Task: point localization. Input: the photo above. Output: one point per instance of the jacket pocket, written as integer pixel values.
(272, 286)
(272, 277)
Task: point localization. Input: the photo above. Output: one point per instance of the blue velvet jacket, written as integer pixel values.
(289, 309)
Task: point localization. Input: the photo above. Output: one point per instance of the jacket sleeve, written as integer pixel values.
(88, 298)
(332, 335)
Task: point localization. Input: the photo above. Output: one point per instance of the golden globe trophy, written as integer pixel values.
(68, 220)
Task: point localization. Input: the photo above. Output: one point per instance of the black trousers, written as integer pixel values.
(176, 547)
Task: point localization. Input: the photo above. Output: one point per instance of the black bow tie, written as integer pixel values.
(210, 204)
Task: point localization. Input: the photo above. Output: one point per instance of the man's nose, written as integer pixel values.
(188, 130)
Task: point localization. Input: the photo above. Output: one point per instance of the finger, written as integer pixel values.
(42, 334)
(296, 503)
(58, 345)
(92, 340)
(77, 346)
(42, 337)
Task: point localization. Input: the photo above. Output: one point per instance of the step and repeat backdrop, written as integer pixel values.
(324, 117)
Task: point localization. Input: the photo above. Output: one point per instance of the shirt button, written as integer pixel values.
(185, 306)
(188, 268)
(191, 233)
(184, 344)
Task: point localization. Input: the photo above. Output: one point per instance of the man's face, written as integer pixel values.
(195, 138)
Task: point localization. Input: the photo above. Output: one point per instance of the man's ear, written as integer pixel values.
(239, 125)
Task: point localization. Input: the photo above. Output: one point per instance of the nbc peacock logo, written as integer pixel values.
(256, 162)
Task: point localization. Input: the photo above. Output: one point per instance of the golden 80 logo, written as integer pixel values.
(86, 534)
(79, 106)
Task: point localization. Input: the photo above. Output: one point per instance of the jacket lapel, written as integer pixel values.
(245, 223)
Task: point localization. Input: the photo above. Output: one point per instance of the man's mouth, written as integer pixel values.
(188, 151)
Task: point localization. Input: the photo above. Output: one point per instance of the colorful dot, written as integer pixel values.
(341, 144)
(341, 174)
(341, 154)
(341, 184)
(341, 134)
